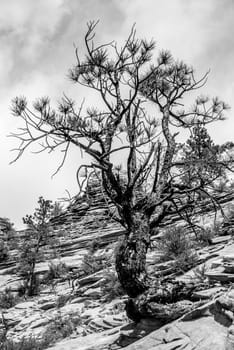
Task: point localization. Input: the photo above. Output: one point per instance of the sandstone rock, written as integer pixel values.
(229, 267)
(216, 264)
(231, 294)
(48, 305)
(219, 276)
(200, 311)
(78, 300)
(25, 305)
(89, 215)
(200, 334)
(230, 339)
(71, 308)
(91, 278)
(228, 258)
(98, 341)
(45, 299)
(39, 323)
(26, 322)
(220, 239)
(94, 293)
(208, 293)
(11, 321)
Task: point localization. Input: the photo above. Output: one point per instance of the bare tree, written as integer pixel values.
(140, 118)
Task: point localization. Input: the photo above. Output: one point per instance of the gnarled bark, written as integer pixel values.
(148, 298)
(131, 257)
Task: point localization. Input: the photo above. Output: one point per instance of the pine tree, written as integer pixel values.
(36, 236)
(128, 81)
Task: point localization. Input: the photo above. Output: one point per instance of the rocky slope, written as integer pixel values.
(92, 320)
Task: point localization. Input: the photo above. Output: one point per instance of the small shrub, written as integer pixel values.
(31, 251)
(205, 236)
(111, 286)
(31, 343)
(61, 327)
(7, 299)
(174, 245)
(56, 270)
(200, 273)
(217, 228)
(93, 263)
(186, 260)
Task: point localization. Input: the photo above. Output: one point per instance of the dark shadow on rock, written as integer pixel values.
(134, 331)
(221, 315)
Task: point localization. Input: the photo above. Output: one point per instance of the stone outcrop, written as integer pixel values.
(104, 325)
(88, 218)
(209, 326)
(222, 269)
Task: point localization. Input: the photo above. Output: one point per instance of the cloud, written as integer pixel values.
(37, 38)
(196, 31)
(35, 34)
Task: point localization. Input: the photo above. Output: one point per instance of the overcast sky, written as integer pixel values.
(37, 48)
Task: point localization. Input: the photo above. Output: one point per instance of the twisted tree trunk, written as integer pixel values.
(131, 257)
(148, 298)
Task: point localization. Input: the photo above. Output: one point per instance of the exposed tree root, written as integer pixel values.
(164, 302)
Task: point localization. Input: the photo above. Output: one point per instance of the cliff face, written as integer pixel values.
(86, 219)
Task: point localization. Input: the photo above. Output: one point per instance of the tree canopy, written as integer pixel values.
(125, 79)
